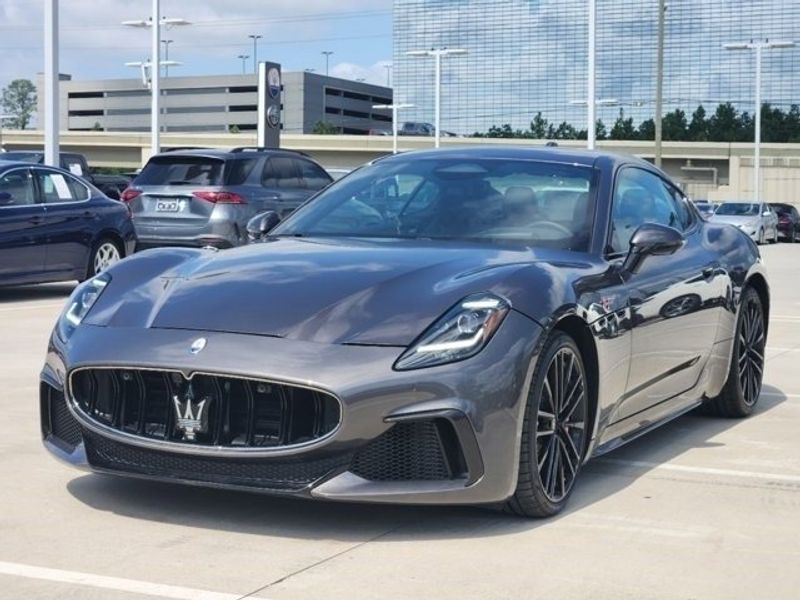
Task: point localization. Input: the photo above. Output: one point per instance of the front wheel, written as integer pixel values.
(743, 386)
(555, 430)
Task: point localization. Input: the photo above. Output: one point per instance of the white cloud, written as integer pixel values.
(375, 73)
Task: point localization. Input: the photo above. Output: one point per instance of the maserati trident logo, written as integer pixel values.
(198, 345)
(191, 417)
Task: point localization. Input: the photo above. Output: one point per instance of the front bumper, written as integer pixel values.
(475, 407)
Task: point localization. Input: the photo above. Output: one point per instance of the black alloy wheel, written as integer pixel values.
(555, 431)
(743, 387)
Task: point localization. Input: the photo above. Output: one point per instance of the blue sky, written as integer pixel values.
(95, 45)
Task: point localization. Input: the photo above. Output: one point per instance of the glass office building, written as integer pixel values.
(527, 56)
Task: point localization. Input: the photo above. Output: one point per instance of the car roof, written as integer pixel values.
(232, 153)
(549, 154)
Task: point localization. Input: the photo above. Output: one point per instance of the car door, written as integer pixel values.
(22, 225)
(70, 221)
(674, 301)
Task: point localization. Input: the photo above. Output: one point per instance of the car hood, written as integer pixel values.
(319, 290)
(734, 220)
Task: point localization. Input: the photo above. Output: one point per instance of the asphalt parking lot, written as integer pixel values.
(703, 508)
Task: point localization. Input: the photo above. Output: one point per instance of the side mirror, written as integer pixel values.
(651, 239)
(260, 225)
(766, 213)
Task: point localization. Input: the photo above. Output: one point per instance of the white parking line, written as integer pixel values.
(703, 470)
(785, 318)
(112, 583)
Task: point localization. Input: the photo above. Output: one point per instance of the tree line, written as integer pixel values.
(725, 124)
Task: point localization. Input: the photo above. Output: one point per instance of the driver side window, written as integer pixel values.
(642, 197)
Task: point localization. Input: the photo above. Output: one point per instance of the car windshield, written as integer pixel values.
(737, 209)
(529, 202)
(181, 170)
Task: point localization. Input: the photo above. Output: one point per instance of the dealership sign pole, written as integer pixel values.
(591, 94)
(51, 79)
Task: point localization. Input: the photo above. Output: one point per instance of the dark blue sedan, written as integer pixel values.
(57, 227)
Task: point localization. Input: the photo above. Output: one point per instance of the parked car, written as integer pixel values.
(205, 197)
(756, 219)
(417, 129)
(55, 226)
(475, 343)
(788, 221)
(705, 208)
(111, 185)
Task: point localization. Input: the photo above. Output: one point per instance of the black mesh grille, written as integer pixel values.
(268, 474)
(407, 452)
(62, 424)
(207, 410)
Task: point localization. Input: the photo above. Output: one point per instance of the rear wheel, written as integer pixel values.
(743, 387)
(105, 254)
(554, 433)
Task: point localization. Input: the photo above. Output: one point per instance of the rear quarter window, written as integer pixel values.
(237, 171)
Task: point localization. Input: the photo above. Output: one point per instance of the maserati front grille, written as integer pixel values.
(204, 409)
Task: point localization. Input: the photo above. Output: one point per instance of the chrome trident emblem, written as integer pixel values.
(190, 416)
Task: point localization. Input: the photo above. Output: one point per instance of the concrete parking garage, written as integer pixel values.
(702, 508)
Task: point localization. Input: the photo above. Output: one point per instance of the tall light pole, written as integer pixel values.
(438, 54)
(591, 94)
(662, 9)
(243, 58)
(394, 108)
(166, 55)
(155, 22)
(759, 48)
(51, 81)
(327, 54)
(388, 75)
(255, 39)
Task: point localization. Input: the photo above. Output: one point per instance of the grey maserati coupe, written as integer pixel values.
(455, 326)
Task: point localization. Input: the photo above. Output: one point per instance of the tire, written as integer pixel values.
(743, 386)
(549, 463)
(105, 253)
(775, 237)
(761, 239)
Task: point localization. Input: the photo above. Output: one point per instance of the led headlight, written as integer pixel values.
(461, 332)
(80, 303)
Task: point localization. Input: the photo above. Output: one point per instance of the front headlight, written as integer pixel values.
(80, 303)
(461, 332)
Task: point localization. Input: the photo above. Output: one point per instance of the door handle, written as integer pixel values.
(87, 214)
(37, 220)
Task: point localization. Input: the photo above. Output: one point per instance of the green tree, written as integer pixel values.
(539, 126)
(19, 101)
(623, 128)
(324, 128)
(724, 124)
(647, 130)
(600, 131)
(698, 127)
(674, 125)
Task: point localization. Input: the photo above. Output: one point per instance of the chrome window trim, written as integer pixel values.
(189, 449)
(75, 177)
(27, 168)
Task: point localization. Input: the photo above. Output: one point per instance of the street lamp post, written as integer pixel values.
(388, 75)
(243, 58)
(51, 83)
(662, 8)
(438, 54)
(255, 39)
(327, 54)
(591, 95)
(166, 55)
(155, 23)
(394, 108)
(759, 48)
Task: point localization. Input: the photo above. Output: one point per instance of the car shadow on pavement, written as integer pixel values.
(257, 514)
(45, 291)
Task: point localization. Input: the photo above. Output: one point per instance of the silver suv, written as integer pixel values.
(202, 197)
